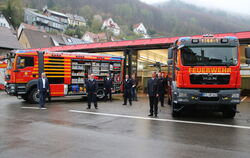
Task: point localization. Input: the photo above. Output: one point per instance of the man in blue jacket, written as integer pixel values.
(43, 89)
(92, 87)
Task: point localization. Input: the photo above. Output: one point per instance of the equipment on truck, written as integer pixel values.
(205, 73)
(65, 71)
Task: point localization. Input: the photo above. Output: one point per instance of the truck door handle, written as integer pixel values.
(16, 71)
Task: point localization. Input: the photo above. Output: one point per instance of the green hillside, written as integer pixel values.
(171, 18)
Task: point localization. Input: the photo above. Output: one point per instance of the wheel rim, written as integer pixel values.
(100, 94)
(36, 96)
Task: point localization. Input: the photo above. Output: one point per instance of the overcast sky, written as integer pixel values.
(240, 6)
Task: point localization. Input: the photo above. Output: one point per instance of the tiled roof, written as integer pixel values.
(8, 40)
(38, 39)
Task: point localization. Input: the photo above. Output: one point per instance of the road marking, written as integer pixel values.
(36, 108)
(243, 99)
(162, 120)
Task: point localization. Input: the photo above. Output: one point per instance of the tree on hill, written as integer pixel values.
(14, 12)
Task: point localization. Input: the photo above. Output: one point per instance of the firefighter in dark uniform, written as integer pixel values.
(108, 86)
(162, 85)
(92, 86)
(127, 90)
(153, 94)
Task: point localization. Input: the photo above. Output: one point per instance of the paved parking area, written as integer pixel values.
(67, 129)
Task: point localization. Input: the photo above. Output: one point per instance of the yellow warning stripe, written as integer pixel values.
(58, 69)
(58, 72)
(57, 59)
(57, 63)
(54, 69)
(56, 66)
(58, 76)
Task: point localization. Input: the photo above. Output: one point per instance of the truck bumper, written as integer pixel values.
(210, 97)
(15, 89)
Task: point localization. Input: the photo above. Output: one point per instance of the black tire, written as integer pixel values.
(100, 94)
(169, 101)
(33, 96)
(7, 90)
(229, 112)
(174, 112)
(24, 97)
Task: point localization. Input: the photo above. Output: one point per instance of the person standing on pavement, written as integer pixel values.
(134, 88)
(43, 89)
(108, 86)
(92, 86)
(162, 86)
(127, 90)
(153, 94)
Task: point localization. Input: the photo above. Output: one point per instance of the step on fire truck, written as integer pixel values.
(204, 73)
(65, 71)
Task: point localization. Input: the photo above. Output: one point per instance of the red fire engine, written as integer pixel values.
(65, 71)
(205, 73)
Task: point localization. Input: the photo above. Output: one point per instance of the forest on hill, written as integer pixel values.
(171, 18)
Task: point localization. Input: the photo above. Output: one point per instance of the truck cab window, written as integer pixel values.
(23, 62)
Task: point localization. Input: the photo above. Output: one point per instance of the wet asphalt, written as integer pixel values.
(58, 132)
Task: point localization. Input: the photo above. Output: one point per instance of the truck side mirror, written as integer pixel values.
(247, 52)
(170, 62)
(170, 53)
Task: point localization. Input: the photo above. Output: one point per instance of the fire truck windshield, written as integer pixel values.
(209, 56)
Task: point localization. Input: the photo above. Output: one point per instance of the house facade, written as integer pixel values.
(43, 22)
(110, 25)
(76, 20)
(61, 17)
(140, 29)
(91, 37)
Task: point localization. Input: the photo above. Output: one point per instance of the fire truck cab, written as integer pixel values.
(204, 73)
(65, 71)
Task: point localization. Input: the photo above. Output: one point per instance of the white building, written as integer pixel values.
(140, 29)
(76, 20)
(110, 25)
(4, 22)
(91, 37)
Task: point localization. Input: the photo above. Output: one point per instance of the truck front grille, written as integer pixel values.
(209, 79)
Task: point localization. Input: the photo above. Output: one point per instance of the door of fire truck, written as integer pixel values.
(24, 68)
(23, 73)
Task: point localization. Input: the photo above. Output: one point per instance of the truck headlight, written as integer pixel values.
(182, 94)
(235, 95)
(183, 100)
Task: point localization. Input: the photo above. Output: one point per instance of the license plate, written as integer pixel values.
(209, 94)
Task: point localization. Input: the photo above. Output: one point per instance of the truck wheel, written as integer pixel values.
(229, 112)
(169, 101)
(100, 94)
(24, 97)
(33, 96)
(174, 112)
